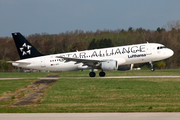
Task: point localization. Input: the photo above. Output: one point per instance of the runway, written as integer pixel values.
(90, 116)
(95, 77)
(113, 77)
(10, 78)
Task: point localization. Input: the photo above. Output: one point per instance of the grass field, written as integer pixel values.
(11, 85)
(124, 73)
(114, 95)
(170, 72)
(105, 95)
(20, 75)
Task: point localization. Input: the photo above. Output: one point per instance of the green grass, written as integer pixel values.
(86, 73)
(124, 73)
(11, 85)
(114, 95)
(100, 95)
(21, 75)
(108, 95)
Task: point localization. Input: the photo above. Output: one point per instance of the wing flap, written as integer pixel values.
(79, 59)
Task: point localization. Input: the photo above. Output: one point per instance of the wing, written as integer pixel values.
(91, 62)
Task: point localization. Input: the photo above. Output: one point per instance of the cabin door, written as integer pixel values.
(42, 62)
(148, 49)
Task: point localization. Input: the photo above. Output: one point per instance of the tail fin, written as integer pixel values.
(24, 47)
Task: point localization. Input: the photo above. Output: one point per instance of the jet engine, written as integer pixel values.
(109, 65)
(125, 67)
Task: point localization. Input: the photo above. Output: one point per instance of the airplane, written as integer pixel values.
(105, 59)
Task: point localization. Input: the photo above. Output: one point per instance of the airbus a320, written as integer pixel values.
(106, 59)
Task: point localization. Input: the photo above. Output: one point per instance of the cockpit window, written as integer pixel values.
(161, 47)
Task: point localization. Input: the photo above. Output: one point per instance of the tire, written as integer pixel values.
(92, 74)
(152, 69)
(102, 74)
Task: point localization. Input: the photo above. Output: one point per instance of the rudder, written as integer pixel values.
(24, 47)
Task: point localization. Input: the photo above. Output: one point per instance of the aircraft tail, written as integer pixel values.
(24, 47)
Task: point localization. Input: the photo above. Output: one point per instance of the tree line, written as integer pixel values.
(79, 40)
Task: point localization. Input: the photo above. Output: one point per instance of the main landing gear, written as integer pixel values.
(102, 74)
(93, 74)
(152, 67)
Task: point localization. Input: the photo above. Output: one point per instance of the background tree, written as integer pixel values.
(92, 45)
(78, 45)
(80, 40)
(160, 64)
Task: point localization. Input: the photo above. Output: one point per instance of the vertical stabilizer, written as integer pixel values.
(24, 47)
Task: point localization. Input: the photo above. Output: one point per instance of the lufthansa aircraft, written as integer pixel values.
(106, 59)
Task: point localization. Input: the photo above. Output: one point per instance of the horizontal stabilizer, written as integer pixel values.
(20, 62)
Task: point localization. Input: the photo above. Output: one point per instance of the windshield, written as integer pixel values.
(161, 47)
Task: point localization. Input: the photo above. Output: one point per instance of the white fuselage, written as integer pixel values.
(132, 54)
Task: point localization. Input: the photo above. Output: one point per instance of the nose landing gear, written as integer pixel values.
(152, 67)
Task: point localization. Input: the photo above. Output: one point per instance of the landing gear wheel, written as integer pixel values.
(102, 74)
(92, 74)
(152, 69)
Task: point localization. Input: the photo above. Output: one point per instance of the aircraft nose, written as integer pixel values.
(170, 52)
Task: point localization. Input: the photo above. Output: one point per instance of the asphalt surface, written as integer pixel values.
(98, 77)
(115, 77)
(10, 78)
(90, 116)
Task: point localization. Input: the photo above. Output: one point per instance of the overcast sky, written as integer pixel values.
(56, 16)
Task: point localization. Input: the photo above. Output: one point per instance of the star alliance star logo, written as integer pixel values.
(25, 49)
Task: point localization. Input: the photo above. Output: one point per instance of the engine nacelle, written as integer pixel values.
(125, 67)
(109, 65)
